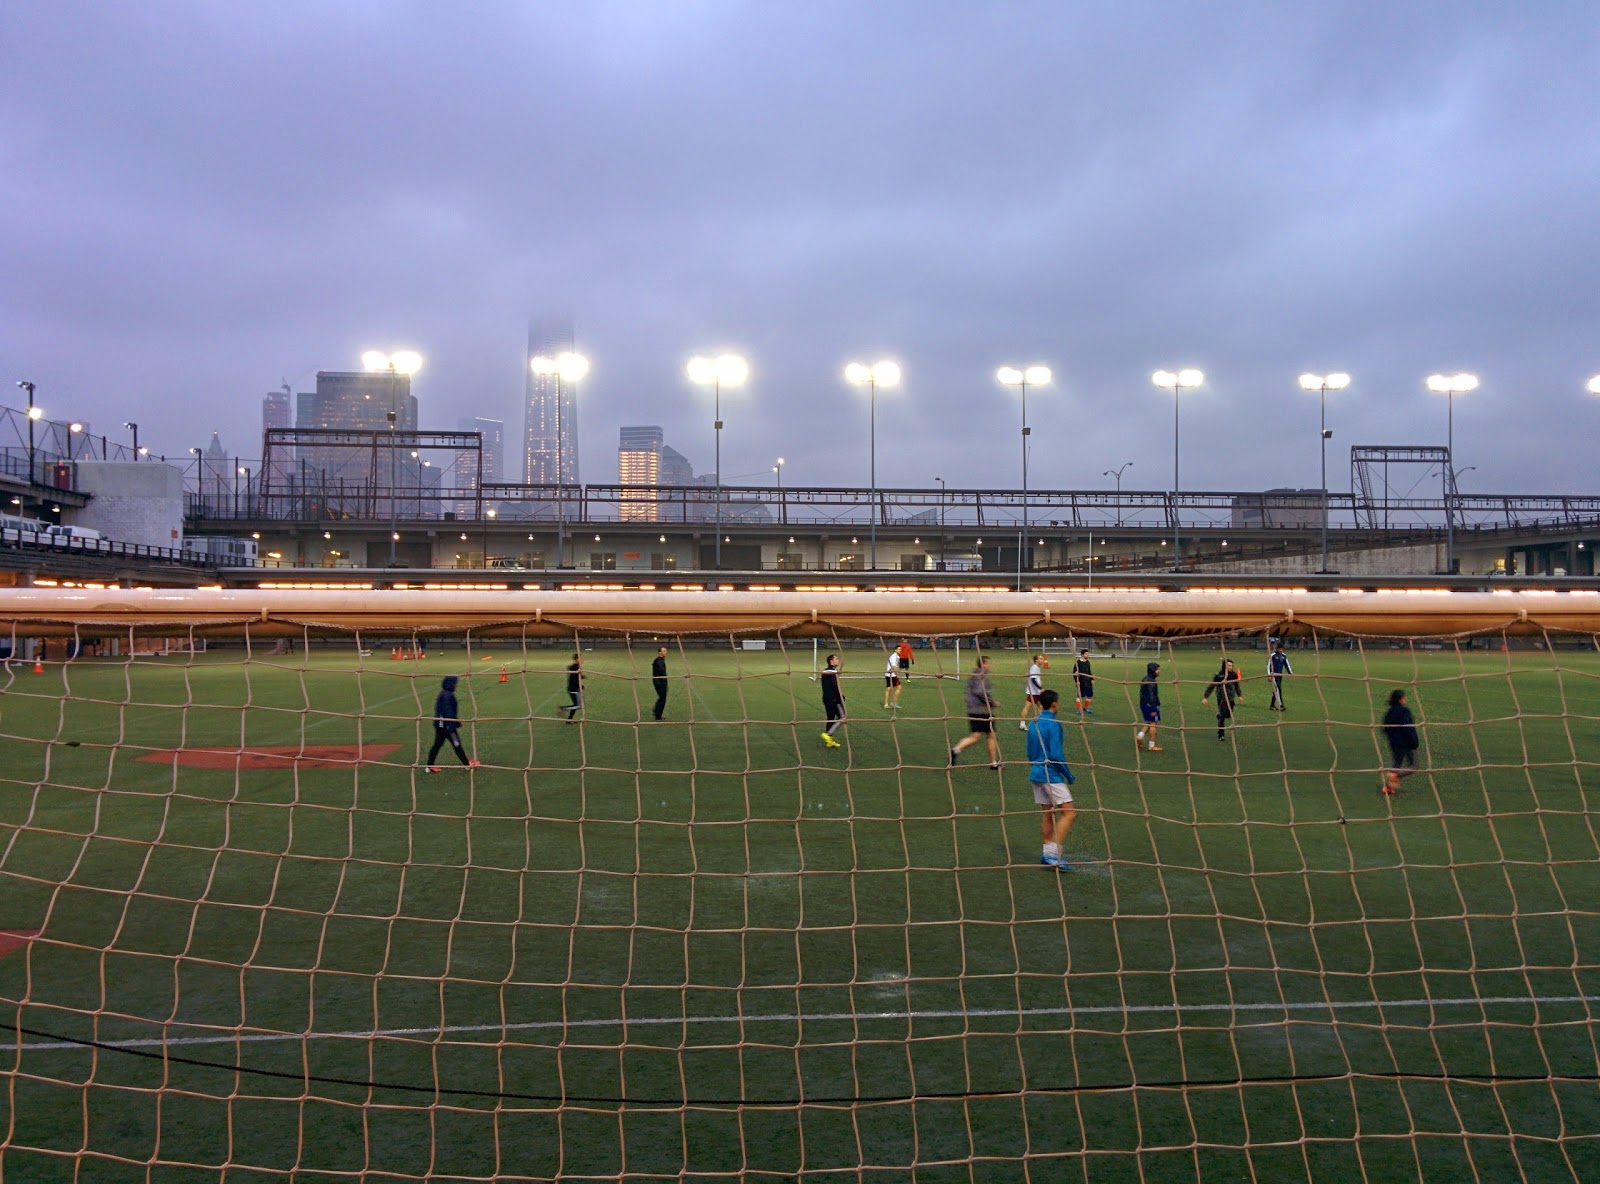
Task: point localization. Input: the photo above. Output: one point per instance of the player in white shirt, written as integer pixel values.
(1034, 688)
(891, 682)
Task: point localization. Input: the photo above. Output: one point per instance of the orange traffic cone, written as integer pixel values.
(38, 667)
(503, 675)
(394, 654)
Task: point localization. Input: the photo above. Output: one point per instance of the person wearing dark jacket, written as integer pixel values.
(1400, 729)
(1083, 683)
(574, 688)
(658, 678)
(1149, 707)
(447, 725)
(1227, 683)
(832, 699)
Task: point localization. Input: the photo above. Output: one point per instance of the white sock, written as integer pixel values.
(1141, 734)
(1053, 849)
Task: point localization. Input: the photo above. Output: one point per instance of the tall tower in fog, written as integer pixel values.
(540, 444)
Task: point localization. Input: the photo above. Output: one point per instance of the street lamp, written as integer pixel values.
(727, 370)
(1182, 380)
(134, 428)
(33, 414)
(1322, 384)
(73, 429)
(1594, 385)
(407, 362)
(1117, 473)
(783, 506)
(1449, 385)
(940, 480)
(564, 367)
(1023, 379)
(884, 373)
(244, 471)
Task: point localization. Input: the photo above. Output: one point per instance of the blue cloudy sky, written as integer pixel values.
(202, 200)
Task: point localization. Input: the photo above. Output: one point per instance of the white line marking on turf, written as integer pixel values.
(1334, 1006)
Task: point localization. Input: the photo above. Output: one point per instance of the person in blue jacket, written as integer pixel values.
(1400, 729)
(1277, 667)
(1051, 777)
(1149, 707)
(447, 725)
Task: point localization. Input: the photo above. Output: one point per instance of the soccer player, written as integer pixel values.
(1032, 689)
(1083, 683)
(1229, 688)
(904, 650)
(1050, 775)
(658, 679)
(1149, 707)
(574, 688)
(1400, 728)
(891, 682)
(832, 699)
(447, 726)
(1277, 667)
(980, 715)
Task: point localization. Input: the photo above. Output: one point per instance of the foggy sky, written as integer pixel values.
(201, 201)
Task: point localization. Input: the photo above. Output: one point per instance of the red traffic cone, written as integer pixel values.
(38, 667)
(394, 654)
(503, 675)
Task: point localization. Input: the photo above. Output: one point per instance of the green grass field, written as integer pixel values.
(711, 948)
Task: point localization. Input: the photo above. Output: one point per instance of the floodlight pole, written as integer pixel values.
(28, 387)
(394, 505)
(716, 428)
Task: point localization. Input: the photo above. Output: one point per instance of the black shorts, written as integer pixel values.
(980, 723)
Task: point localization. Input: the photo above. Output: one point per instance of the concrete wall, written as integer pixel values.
(1426, 559)
(133, 502)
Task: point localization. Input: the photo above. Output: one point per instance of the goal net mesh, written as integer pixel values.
(247, 934)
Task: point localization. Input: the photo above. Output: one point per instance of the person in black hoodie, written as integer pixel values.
(1401, 731)
(1227, 683)
(1149, 707)
(447, 725)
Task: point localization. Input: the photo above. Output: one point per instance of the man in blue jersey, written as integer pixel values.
(1277, 667)
(1050, 776)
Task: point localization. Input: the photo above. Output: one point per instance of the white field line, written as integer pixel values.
(1287, 1009)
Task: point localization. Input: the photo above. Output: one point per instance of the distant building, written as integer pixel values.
(1278, 507)
(466, 462)
(277, 411)
(645, 462)
(550, 432)
(354, 480)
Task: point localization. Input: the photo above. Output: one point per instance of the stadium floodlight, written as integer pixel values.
(567, 366)
(1594, 385)
(1175, 382)
(718, 372)
(1450, 385)
(1322, 384)
(884, 373)
(402, 361)
(1022, 378)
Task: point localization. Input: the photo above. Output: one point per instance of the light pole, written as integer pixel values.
(407, 362)
(1182, 380)
(1322, 384)
(1023, 379)
(134, 428)
(1449, 385)
(783, 506)
(1117, 473)
(33, 414)
(940, 480)
(73, 429)
(564, 367)
(244, 471)
(728, 370)
(884, 373)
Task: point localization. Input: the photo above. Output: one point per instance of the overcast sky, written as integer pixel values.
(201, 201)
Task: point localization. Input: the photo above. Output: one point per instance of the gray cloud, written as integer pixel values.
(204, 200)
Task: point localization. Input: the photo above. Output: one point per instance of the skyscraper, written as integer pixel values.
(645, 461)
(277, 411)
(466, 462)
(547, 431)
(359, 402)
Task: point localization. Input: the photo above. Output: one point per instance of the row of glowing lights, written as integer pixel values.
(944, 590)
(732, 370)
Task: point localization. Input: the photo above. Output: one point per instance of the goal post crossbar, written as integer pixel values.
(267, 613)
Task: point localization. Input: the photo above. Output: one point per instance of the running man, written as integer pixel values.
(1032, 689)
(832, 699)
(574, 688)
(1050, 775)
(891, 682)
(1400, 729)
(980, 715)
(1149, 707)
(1228, 685)
(447, 726)
(1083, 683)
(1277, 667)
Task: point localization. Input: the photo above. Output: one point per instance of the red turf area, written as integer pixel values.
(287, 757)
(12, 940)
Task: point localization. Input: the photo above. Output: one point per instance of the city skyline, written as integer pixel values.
(1257, 193)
